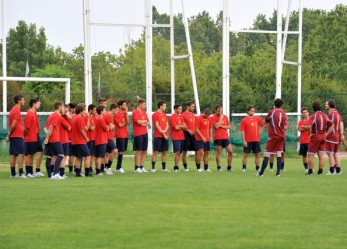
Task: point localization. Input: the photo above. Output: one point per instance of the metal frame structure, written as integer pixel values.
(149, 45)
(280, 56)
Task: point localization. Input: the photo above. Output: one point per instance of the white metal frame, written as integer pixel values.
(280, 57)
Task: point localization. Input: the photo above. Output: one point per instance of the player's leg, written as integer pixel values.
(337, 163)
(219, 149)
(244, 161)
(230, 157)
(206, 155)
(198, 155)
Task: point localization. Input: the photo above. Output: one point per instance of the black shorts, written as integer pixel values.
(39, 144)
(303, 149)
(54, 149)
(177, 145)
(30, 148)
(201, 145)
(222, 142)
(141, 143)
(110, 146)
(100, 150)
(80, 150)
(16, 146)
(189, 142)
(66, 148)
(161, 144)
(70, 154)
(253, 147)
(122, 144)
(91, 146)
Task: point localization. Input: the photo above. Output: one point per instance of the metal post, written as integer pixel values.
(299, 59)
(226, 74)
(172, 55)
(86, 51)
(90, 93)
(279, 51)
(67, 92)
(285, 33)
(191, 60)
(4, 65)
(149, 33)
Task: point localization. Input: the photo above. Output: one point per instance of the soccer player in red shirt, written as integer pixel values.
(79, 141)
(177, 126)
(305, 132)
(203, 133)
(121, 120)
(334, 138)
(31, 142)
(65, 127)
(320, 127)
(161, 135)
(53, 146)
(250, 132)
(140, 123)
(72, 107)
(277, 120)
(91, 132)
(221, 126)
(16, 138)
(189, 133)
(101, 129)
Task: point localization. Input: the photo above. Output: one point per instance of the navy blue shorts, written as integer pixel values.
(100, 150)
(122, 144)
(80, 150)
(303, 149)
(177, 145)
(16, 146)
(222, 142)
(201, 145)
(253, 147)
(66, 149)
(54, 149)
(91, 146)
(30, 148)
(141, 142)
(161, 144)
(39, 144)
(110, 146)
(189, 142)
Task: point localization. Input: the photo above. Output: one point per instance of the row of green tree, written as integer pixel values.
(252, 63)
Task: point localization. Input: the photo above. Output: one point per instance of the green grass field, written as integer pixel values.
(176, 210)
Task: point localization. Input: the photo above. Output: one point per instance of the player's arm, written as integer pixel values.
(330, 129)
(84, 135)
(65, 124)
(197, 131)
(27, 125)
(244, 138)
(12, 128)
(49, 132)
(88, 122)
(342, 130)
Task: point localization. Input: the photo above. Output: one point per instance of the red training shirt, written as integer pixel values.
(174, 121)
(250, 125)
(319, 123)
(204, 126)
(64, 128)
(31, 124)
(90, 133)
(304, 137)
(119, 118)
(100, 130)
(54, 120)
(162, 120)
(277, 120)
(109, 120)
(138, 129)
(15, 114)
(334, 136)
(78, 124)
(220, 133)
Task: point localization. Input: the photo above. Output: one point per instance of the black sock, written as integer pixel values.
(306, 165)
(13, 171)
(279, 165)
(38, 170)
(185, 165)
(332, 169)
(282, 166)
(264, 165)
(78, 172)
(338, 170)
(57, 164)
(119, 161)
(141, 167)
(219, 167)
(52, 169)
(271, 165)
(176, 168)
(98, 171)
(103, 167)
(244, 166)
(229, 167)
(21, 171)
(153, 164)
(86, 171)
(62, 171)
(205, 166)
(136, 167)
(109, 164)
(310, 171)
(257, 168)
(198, 166)
(163, 165)
(27, 169)
(48, 167)
(320, 171)
(70, 168)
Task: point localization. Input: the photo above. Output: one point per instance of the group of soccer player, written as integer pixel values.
(76, 135)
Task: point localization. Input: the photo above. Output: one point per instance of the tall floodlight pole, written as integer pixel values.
(86, 50)
(172, 55)
(90, 93)
(4, 64)
(191, 60)
(299, 59)
(279, 51)
(286, 27)
(148, 43)
(226, 73)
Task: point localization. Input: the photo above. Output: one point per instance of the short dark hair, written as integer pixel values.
(177, 106)
(33, 101)
(140, 101)
(113, 106)
(80, 108)
(304, 109)
(67, 106)
(207, 111)
(316, 106)
(332, 103)
(217, 107)
(100, 109)
(250, 107)
(91, 107)
(278, 102)
(101, 100)
(121, 102)
(57, 105)
(190, 103)
(160, 103)
(72, 105)
(18, 98)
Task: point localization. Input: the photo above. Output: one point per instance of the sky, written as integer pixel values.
(63, 19)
